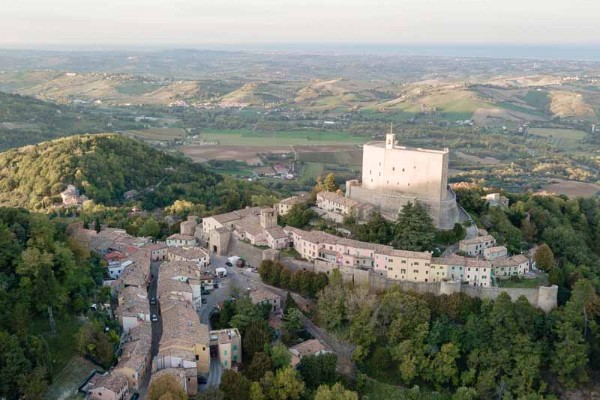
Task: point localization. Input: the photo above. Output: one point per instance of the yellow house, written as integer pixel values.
(185, 341)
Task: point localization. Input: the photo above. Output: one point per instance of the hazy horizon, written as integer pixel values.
(584, 52)
(182, 23)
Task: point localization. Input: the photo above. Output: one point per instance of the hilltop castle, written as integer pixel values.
(394, 175)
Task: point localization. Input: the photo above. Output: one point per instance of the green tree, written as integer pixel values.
(211, 393)
(256, 392)
(285, 384)
(318, 370)
(280, 356)
(234, 386)
(166, 387)
(570, 357)
(464, 393)
(335, 392)
(544, 258)
(261, 363)
(443, 366)
(13, 364)
(149, 228)
(414, 229)
(35, 385)
(299, 216)
(255, 338)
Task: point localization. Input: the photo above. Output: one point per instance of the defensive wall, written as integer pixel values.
(544, 297)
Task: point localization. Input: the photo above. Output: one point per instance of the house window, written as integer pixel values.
(225, 352)
(235, 347)
(197, 357)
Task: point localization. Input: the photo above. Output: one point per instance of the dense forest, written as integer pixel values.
(570, 227)
(46, 280)
(466, 347)
(106, 166)
(25, 120)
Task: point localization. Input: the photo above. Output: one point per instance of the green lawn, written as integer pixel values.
(231, 171)
(62, 343)
(67, 382)
(158, 133)
(313, 169)
(246, 137)
(568, 134)
(523, 283)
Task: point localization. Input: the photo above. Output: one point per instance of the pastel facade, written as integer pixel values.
(136, 358)
(229, 346)
(491, 253)
(192, 254)
(261, 296)
(475, 246)
(516, 265)
(133, 308)
(109, 386)
(185, 341)
(179, 240)
(285, 205)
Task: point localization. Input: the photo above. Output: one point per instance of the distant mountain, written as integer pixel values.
(25, 120)
(103, 167)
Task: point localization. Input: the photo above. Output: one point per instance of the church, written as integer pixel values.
(394, 175)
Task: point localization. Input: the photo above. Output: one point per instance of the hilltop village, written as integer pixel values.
(160, 287)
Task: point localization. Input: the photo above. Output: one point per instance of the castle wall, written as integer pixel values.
(542, 297)
(395, 169)
(444, 213)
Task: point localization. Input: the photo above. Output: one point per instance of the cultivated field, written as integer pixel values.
(567, 139)
(247, 154)
(157, 134)
(244, 137)
(573, 189)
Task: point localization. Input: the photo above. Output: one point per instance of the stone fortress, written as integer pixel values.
(394, 175)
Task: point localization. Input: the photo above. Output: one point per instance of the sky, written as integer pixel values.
(38, 23)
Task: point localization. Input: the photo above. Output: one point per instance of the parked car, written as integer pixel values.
(216, 285)
(229, 264)
(154, 318)
(153, 301)
(135, 396)
(203, 300)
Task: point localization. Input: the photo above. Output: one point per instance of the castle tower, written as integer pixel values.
(268, 218)
(390, 138)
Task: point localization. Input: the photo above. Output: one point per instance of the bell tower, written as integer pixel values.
(390, 138)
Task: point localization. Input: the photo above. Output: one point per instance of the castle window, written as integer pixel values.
(393, 168)
(402, 169)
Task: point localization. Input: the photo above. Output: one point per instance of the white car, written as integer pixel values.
(154, 318)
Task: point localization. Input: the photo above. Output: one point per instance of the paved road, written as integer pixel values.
(156, 326)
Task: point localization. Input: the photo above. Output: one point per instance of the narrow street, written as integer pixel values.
(156, 326)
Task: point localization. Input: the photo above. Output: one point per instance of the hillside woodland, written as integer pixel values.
(106, 166)
(45, 279)
(25, 120)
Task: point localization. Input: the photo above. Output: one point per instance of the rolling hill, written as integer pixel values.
(519, 99)
(25, 120)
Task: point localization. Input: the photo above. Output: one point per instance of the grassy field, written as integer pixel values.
(234, 172)
(342, 157)
(568, 134)
(524, 283)
(62, 344)
(313, 169)
(66, 383)
(161, 134)
(565, 139)
(244, 137)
